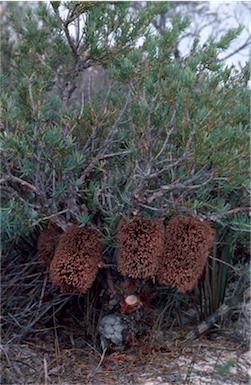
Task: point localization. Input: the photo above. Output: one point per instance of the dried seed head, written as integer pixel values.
(47, 242)
(186, 250)
(75, 263)
(140, 243)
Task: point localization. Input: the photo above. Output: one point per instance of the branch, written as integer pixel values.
(77, 67)
(164, 189)
(179, 160)
(237, 210)
(69, 39)
(71, 15)
(108, 141)
(106, 156)
(176, 186)
(30, 92)
(11, 191)
(217, 218)
(171, 128)
(53, 216)
(91, 165)
(237, 50)
(115, 126)
(12, 178)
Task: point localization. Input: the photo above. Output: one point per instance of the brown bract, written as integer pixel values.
(187, 245)
(75, 263)
(47, 242)
(140, 243)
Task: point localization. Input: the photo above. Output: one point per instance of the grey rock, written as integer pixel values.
(111, 329)
(108, 329)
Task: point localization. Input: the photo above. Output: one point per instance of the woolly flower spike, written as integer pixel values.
(47, 242)
(140, 243)
(187, 245)
(75, 263)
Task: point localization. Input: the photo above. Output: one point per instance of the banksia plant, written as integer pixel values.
(140, 242)
(187, 245)
(76, 260)
(47, 242)
(143, 140)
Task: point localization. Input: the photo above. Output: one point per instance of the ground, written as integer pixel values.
(165, 361)
(50, 338)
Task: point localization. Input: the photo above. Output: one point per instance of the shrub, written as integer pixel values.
(165, 136)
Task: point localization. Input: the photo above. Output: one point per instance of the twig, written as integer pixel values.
(178, 186)
(237, 210)
(50, 216)
(26, 364)
(180, 159)
(238, 271)
(69, 39)
(217, 219)
(30, 93)
(43, 291)
(101, 156)
(107, 156)
(150, 207)
(14, 193)
(15, 179)
(205, 325)
(237, 50)
(82, 105)
(170, 128)
(46, 377)
(101, 360)
(56, 341)
(113, 130)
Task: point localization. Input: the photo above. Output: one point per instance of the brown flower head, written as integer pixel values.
(77, 256)
(140, 243)
(47, 242)
(186, 250)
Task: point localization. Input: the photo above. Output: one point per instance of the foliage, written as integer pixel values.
(224, 369)
(168, 135)
(48, 141)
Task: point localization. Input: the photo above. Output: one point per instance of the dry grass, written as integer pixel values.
(204, 362)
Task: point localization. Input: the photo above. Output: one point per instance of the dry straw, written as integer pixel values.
(140, 242)
(75, 263)
(187, 245)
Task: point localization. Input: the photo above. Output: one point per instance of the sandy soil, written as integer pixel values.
(202, 362)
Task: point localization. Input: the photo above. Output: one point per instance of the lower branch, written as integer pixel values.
(12, 178)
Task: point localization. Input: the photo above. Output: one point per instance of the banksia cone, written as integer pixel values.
(187, 245)
(77, 256)
(47, 242)
(140, 243)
